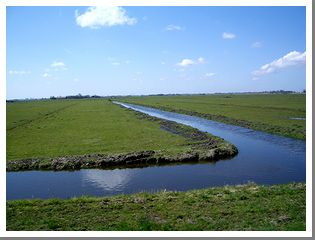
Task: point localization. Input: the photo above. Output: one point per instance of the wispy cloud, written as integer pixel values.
(256, 45)
(208, 75)
(46, 75)
(291, 59)
(58, 66)
(227, 35)
(111, 59)
(104, 16)
(19, 72)
(187, 62)
(201, 60)
(172, 27)
(117, 62)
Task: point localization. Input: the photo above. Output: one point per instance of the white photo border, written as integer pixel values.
(306, 3)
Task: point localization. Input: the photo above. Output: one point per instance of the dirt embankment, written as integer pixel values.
(203, 147)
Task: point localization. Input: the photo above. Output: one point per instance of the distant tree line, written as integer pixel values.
(80, 96)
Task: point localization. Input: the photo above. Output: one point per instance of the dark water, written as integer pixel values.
(263, 158)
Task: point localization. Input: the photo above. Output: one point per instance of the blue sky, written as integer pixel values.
(58, 51)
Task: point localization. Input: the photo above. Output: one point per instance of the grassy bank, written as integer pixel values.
(73, 134)
(246, 207)
(265, 112)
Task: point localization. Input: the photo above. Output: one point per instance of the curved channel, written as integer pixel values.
(263, 158)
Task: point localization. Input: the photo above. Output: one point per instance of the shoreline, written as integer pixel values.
(271, 129)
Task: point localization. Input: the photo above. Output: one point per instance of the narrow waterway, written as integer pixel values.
(263, 158)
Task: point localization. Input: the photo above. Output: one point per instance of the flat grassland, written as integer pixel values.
(73, 127)
(89, 128)
(245, 207)
(265, 112)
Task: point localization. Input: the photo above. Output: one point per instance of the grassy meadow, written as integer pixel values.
(265, 112)
(72, 127)
(74, 134)
(245, 207)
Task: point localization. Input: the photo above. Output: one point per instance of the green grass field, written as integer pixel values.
(73, 127)
(265, 112)
(247, 207)
(95, 133)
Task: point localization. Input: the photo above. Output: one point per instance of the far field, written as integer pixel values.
(266, 112)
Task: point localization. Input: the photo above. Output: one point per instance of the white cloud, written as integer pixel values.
(257, 45)
(104, 16)
(57, 66)
(76, 80)
(172, 27)
(207, 75)
(117, 62)
(291, 59)
(54, 67)
(19, 72)
(187, 62)
(46, 75)
(227, 35)
(201, 60)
